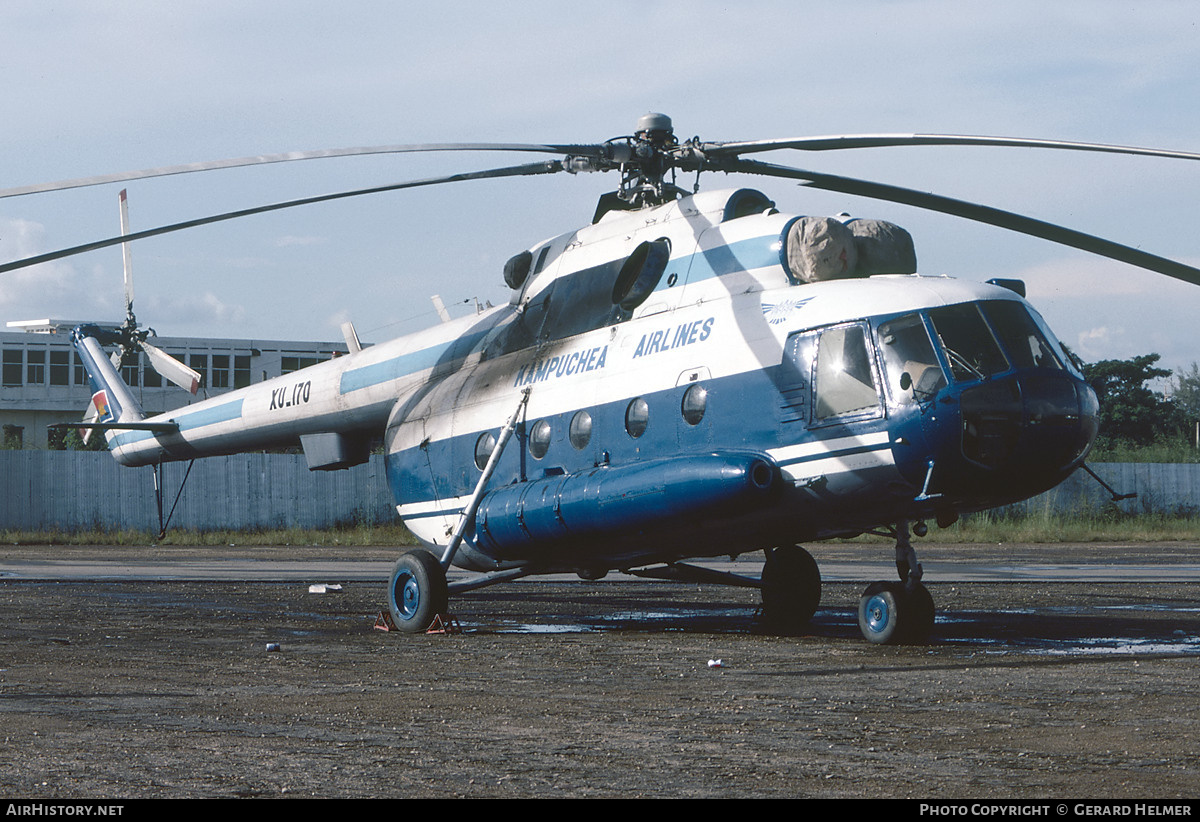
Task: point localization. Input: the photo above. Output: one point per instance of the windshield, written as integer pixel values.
(1020, 335)
(970, 347)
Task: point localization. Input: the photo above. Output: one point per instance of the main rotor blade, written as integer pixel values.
(971, 211)
(836, 143)
(546, 167)
(291, 156)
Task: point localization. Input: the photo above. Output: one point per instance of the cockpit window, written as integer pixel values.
(913, 372)
(844, 380)
(1020, 336)
(969, 345)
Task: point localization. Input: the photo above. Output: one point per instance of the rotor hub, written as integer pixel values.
(653, 125)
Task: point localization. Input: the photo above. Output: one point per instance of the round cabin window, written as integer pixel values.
(695, 403)
(539, 439)
(580, 430)
(483, 449)
(637, 417)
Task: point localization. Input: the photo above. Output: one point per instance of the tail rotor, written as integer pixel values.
(133, 338)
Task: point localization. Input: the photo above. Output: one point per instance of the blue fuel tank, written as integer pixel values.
(623, 501)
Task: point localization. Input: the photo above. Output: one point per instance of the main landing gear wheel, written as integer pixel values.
(417, 591)
(791, 588)
(890, 614)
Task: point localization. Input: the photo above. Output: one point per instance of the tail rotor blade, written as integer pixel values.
(89, 416)
(172, 369)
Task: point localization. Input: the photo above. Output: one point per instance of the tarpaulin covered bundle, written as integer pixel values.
(825, 248)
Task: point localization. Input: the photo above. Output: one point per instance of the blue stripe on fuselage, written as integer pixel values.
(404, 365)
(744, 255)
(188, 421)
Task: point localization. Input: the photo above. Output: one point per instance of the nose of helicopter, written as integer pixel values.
(1023, 434)
(1043, 420)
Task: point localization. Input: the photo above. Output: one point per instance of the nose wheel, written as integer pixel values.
(891, 613)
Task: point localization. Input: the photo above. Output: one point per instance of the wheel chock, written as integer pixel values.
(383, 622)
(442, 624)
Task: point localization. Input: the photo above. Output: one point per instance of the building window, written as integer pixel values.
(199, 364)
(60, 367)
(129, 370)
(220, 371)
(291, 364)
(35, 373)
(150, 377)
(14, 364)
(81, 377)
(241, 372)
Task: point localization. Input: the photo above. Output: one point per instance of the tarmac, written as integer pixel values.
(1054, 671)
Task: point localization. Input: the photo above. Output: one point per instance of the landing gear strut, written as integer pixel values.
(791, 588)
(890, 613)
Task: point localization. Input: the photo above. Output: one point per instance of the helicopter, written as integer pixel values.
(693, 374)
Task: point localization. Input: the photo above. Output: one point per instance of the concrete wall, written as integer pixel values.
(72, 490)
(1161, 488)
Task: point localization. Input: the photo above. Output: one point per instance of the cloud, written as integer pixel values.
(176, 316)
(1099, 277)
(291, 240)
(56, 289)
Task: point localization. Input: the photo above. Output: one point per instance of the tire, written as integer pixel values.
(880, 613)
(416, 592)
(791, 589)
(889, 614)
(919, 617)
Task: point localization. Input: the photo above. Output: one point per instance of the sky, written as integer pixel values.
(98, 87)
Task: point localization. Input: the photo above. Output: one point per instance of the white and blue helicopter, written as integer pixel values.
(691, 375)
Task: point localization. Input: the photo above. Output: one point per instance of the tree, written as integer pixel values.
(1185, 392)
(1130, 412)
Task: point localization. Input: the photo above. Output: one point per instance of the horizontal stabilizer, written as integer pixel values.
(160, 427)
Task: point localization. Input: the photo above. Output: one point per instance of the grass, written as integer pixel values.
(1048, 527)
(999, 526)
(359, 535)
(1167, 449)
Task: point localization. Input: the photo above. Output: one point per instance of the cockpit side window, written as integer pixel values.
(845, 381)
(971, 350)
(1020, 336)
(911, 367)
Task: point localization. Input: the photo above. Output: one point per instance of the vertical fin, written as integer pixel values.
(111, 397)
